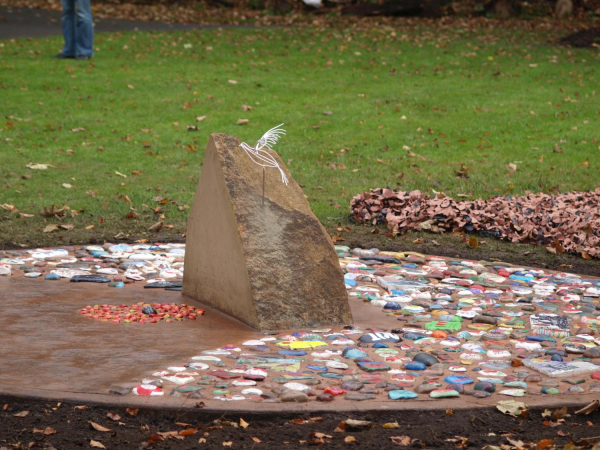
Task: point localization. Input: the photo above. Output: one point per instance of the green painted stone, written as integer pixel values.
(444, 393)
(221, 391)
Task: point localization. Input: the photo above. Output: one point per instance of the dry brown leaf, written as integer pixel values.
(201, 441)
(113, 416)
(402, 441)
(89, 227)
(349, 439)
(156, 227)
(50, 228)
(21, 414)
(132, 411)
(589, 408)
(80, 407)
(98, 427)
(201, 118)
(391, 425)
(584, 254)
(227, 444)
(96, 444)
(243, 423)
(559, 413)
(26, 216)
(242, 122)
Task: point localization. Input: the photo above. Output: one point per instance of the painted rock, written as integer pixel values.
(443, 393)
(484, 386)
(147, 389)
(426, 359)
(379, 337)
(415, 365)
(401, 394)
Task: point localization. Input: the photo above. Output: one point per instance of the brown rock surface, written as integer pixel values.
(271, 266)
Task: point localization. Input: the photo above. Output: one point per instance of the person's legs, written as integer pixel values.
(85, 28)
(68, 26)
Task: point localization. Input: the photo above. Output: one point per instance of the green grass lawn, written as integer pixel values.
(413, 108)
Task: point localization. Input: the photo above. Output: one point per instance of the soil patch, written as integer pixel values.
(584, 38)
(69, 425)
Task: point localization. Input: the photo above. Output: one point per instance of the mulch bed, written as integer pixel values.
(584, 38)
(562, 222)
(51, 425)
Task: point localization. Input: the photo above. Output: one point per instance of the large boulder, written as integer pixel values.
(272, 266)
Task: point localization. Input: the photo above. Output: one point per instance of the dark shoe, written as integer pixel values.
(63, 56)
(82, 57)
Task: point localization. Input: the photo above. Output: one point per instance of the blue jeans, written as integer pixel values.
(78, 28)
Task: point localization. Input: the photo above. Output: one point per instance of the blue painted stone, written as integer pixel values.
(556, 358)
(393, 306)
(516, 384)
(330, 375)
(353, 353)
(318, 368)
(457, 379)
(415, 365)
(292, 352)
(52, 276)
(400, 394)
(380, 345)
(540, 338)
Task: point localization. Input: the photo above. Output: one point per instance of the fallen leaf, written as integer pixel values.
(120, 174)
(50, 228)
(89, 227)
(232, 82)
(512, 407)
(8, 207)
(67, 185)
(585, 255)
(243, 423)
(512, 167)
(201, 441)
(227, 444)
(402, 441)
(541, 445)
(257, 440)
(188, 432)
(473, 242)
(132, 411)
(96, 444)
(26, 216)
(36, 166)
(242, 122)
(98, 427)
(391, 425)
(80, 407)
(113, 416)
(156, 227)
(589, 408)
(21, 414)
(349, 439)
(559, 413)
(201, 118)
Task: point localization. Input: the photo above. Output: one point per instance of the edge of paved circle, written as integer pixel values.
(169, 404)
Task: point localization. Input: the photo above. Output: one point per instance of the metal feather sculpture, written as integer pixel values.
(263, 158)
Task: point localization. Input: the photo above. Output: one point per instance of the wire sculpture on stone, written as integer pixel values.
(263, 158)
